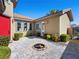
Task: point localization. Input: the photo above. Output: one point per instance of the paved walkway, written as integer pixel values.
(72, 50)
(23, 49)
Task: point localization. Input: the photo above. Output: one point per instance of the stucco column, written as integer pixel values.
(9, 8)
(22, 26)
(28, 25)
(42, 28)
(11, 30)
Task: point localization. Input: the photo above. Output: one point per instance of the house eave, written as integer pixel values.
(66, 11)
(45, 17)
(69, 13)
(20, 19)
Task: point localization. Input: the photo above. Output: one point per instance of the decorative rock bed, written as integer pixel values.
(36, 48)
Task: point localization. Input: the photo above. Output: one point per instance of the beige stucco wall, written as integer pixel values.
(64, 23)
(13, 27)
(56, 24)
(52, 25)
(9, 8)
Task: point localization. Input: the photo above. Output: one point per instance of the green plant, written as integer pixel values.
(17, 36)
(45, 36)
(78, 34)
(4, 40)
(49, 37)
(5, 52)
(64, 37)
(55, 37)
(54, 11)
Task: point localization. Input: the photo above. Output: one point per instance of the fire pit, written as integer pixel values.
(39, 46)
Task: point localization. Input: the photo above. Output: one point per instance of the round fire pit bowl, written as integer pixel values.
(39, 46)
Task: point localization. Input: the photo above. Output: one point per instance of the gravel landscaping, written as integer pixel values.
(23, 49)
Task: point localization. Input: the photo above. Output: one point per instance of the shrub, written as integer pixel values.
(49, 37)
(78, 34)
(55, 37)
(64, 37)
(4, 40)
(45, 36)
(17, 36)
(5, 52)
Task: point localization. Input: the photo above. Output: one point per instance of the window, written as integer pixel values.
(37, 26)
(25, 26)
(18, 26)
(30, 26)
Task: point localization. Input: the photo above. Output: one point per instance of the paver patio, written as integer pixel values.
(23, 49)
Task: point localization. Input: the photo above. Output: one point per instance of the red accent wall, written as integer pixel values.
(4, 26)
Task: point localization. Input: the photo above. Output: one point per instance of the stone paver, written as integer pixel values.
(23, 49)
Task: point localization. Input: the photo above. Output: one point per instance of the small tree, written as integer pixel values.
(53, 11)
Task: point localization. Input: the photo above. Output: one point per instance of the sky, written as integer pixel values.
(38, 8)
